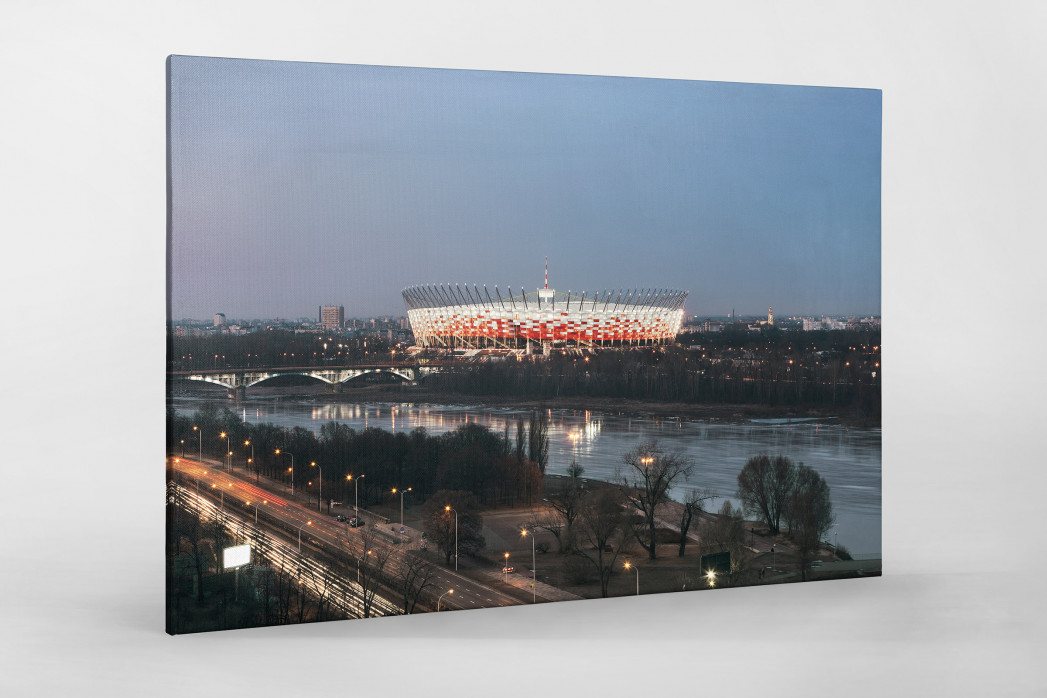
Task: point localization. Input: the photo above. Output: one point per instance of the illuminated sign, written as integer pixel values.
(236, 556)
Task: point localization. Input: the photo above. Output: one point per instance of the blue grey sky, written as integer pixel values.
(300, 184)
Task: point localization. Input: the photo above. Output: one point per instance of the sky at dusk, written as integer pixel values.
(295, 185)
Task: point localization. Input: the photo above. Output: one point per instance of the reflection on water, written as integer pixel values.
(848, 458)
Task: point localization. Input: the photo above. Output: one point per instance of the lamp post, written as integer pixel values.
(307, 523)
(449, 591)
(228, 451)
(183, 448)
(292, 468)
(356, 493)
(264, 501)
(200, 434)
(250, 461)
(450, 508)
(637, 570)
(773, 565)
(402, 493)
(320, 494)
(534, 572)
(221, 495)
(505, 569)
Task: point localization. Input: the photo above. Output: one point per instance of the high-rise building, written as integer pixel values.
(219, 319)
(332, 317)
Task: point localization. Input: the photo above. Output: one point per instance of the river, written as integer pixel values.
(849, 458)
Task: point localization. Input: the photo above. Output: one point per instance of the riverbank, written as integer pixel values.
(611, 406)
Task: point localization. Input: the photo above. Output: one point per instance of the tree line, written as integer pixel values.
(775, 368)
(497, 469)
(271, 348)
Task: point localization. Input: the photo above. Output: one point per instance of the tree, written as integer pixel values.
(602, 524)
(726, 533)
(439, 523)
(693, 503)
(370, 557)
(809, 513)
(565, 498)
(649, 475)
(764, 487)
(538, 440)
(414, 577)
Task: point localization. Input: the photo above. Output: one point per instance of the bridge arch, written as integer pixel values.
(277, 374)
(404, 375)
(213, 381)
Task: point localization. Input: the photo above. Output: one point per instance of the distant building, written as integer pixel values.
(219, 319)
(332, 317)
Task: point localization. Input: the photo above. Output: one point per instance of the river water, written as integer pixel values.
(849, 458)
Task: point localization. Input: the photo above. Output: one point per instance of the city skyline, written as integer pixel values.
(295, 184)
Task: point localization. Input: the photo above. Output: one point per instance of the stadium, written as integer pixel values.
(457, 317)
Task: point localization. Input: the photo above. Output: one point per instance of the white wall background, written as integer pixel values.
(82, 187)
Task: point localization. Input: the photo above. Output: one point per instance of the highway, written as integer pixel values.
(223, 489)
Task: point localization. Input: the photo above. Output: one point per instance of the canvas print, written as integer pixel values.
(442, 340)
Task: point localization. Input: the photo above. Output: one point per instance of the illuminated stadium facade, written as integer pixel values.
(453, 317)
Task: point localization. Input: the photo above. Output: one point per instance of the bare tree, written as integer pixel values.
(414, 577)
(726, 533)
(368, 558)
(809, 513)
(649, 474)
(320, 579)
(538, 440)
(764, 487)
(602, 524)
(564, 500)
(693, 504)
(453, 523)
(189, 536)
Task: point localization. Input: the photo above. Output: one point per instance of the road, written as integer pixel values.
(318, 530)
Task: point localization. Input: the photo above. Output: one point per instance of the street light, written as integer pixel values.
(505, 568)
(228, 451)
(292, 468)
(449, 591)
(264, 501)
(637, 570)
(200, 433)
(450, 508)
(647, 461)
(402, 493)
(183, 448)
(356, 493)
(534, 573)
(216, 487)
(320, 494)
(307, 523)
(250, 461)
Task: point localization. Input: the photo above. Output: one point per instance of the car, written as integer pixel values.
(507, 570)
(340, 518)
(354, 522)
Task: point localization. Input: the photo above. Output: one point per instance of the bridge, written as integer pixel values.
(238, 380)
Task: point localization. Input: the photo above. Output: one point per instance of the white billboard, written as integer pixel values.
(236, 556)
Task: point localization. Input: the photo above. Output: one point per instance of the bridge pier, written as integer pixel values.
(334, 387)
(238, 394)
